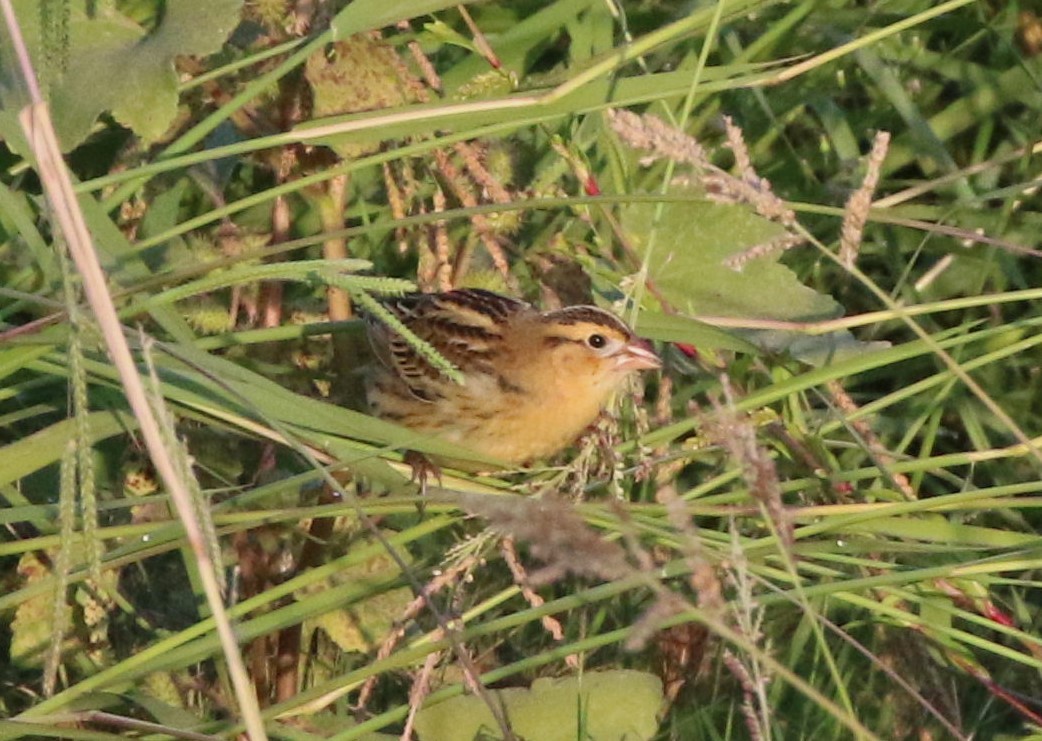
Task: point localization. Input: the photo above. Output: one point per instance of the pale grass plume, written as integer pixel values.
(552, 625)
(556, 535)
(451, 576)
(421, 687)
(651, 133)
(562, 541)
(749, 669)
(736, 434)
(749, 187)
(883, 458)
(779, 244)
(666, 142)
(855, 215)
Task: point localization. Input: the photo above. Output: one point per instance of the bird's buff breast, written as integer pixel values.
(514, 426)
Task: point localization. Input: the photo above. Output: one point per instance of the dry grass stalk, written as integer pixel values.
(450, 576)
(779, 244)
(335, 248)
(855, 215)
(552, 625)
(883, 458)
(556, 535)
(421, 687)
(39, 131)
(655, 135)
(442, 246)
(462, 189)
(736, 434)
(396, 201)
(749, 694)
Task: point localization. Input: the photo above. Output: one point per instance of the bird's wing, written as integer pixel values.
(465, 327)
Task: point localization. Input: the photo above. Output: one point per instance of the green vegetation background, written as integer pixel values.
(819, 521)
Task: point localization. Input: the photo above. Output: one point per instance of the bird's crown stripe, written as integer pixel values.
(590, 314)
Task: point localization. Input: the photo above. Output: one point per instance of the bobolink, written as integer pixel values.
(533, 381)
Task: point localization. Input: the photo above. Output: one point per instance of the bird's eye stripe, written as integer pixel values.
(554, 341)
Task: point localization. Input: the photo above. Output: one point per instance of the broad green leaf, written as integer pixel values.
(598, 706)
(688, 244)
(676, 328)
(365, 623)
(114, 65)
(32, 627)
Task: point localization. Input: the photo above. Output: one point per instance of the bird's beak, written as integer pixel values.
(637, 355)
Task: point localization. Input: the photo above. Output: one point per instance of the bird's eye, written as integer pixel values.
(596, 341)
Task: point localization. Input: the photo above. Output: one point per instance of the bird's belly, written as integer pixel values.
(494, 419)
(522, 429)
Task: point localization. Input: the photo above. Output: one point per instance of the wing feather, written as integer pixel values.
(465, 326)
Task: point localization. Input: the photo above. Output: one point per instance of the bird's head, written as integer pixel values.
(587, 345)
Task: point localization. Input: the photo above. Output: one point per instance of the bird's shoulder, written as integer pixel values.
(468, 327)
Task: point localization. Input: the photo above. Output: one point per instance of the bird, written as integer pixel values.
(532, 381)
